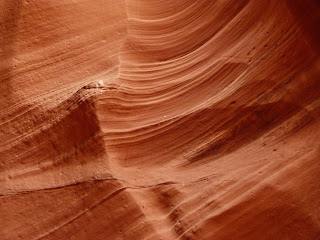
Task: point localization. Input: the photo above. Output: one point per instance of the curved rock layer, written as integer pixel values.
(148, 119)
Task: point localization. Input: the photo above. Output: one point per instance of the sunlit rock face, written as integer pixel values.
(148, 119)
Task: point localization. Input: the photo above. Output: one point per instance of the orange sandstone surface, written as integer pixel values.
(149, 119)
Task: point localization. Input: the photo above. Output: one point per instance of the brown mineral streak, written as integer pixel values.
(171, 119)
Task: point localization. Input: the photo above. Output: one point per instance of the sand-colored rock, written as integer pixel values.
(148, 119)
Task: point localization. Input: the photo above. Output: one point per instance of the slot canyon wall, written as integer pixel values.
(160, 119)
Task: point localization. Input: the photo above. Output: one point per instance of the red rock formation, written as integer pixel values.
(147, 119)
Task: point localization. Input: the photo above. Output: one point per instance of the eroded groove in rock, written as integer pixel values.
(147, 119)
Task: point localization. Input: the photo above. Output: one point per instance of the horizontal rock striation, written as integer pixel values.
(147, 119)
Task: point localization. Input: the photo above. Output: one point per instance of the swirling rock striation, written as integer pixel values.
(147, 119)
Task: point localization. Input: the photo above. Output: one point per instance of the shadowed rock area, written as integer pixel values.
(148, 119)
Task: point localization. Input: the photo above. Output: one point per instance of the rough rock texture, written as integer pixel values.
(171, 119)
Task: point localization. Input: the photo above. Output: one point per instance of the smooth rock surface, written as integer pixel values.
(148, 119)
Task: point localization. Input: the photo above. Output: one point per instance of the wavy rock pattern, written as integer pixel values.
(148, 119)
